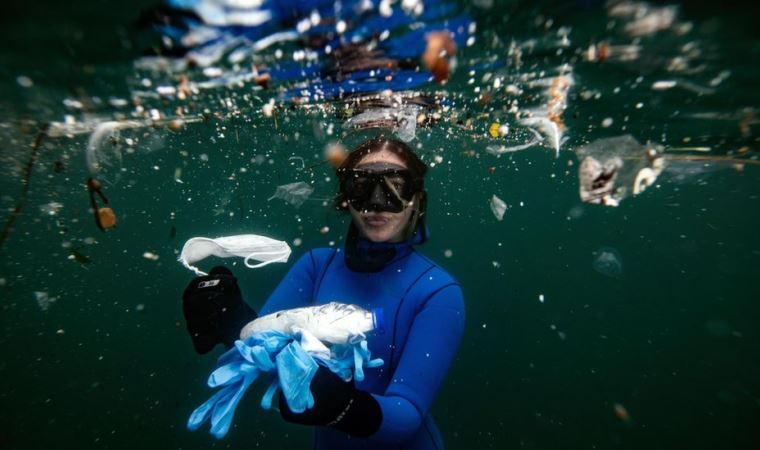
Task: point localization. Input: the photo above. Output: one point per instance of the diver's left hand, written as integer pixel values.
(337, 404)
(214, 310)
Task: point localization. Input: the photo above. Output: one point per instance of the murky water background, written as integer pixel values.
(588, 326)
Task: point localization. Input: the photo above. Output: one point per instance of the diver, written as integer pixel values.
(382, 187)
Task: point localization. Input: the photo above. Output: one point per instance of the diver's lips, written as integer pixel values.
(375, 221)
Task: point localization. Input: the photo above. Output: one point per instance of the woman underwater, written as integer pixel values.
(382, 186)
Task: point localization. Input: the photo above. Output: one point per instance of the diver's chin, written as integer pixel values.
(376, 230)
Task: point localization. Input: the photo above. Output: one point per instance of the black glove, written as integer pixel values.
(214, 310)
(337, 404)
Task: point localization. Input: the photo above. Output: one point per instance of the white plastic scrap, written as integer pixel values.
(498, 207)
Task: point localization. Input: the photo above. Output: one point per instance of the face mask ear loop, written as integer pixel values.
(282, 258)
(197, 271)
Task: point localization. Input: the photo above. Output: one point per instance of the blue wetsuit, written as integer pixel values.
(424, 321)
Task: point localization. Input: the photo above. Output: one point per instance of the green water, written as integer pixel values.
(673, 338)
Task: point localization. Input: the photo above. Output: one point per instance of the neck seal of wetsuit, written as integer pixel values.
(363, 255)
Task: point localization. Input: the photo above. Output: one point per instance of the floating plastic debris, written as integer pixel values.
(499, 150)
(104, 148)
(406, 128)
(44, 300)
(608, 262)
(611, 168)
(293, 193)
(403, 120)
(547, 127)
(498, 207)
(105, 217)
(150, 255)
(493, 130)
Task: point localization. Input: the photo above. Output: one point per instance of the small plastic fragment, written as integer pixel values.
(44, 300)
(107, 217)
(498, 207)
(493, 130)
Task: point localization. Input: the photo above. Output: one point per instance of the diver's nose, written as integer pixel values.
(378, 199)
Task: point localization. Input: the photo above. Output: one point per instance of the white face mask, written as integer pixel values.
(248, 246)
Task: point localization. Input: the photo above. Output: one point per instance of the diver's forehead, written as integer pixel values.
(383, 156)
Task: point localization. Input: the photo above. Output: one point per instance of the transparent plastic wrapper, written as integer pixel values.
(249, 246)
(613, 168)
(293, 193)
(287, 347)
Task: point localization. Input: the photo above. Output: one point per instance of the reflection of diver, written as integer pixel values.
(382, 188)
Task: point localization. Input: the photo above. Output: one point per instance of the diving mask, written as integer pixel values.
(382, 187)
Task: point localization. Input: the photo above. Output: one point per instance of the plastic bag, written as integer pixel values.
(293, 193)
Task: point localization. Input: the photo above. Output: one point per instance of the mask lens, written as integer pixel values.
(386, 190)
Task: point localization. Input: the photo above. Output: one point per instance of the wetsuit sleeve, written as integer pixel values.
(430, 349)
(296, 289)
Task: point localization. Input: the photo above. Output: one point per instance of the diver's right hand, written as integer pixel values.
(214, 310)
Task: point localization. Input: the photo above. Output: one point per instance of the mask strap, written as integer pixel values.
(282, 258)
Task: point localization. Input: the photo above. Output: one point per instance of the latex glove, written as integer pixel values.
(337, 404)
(214, 310)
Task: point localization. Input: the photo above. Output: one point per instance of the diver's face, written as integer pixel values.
(381, 226)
